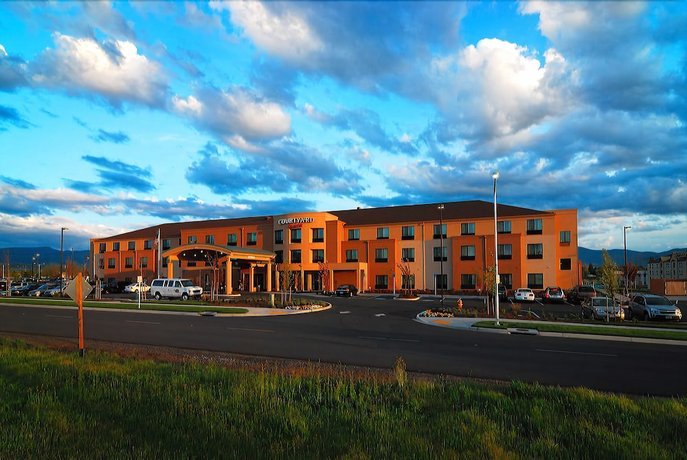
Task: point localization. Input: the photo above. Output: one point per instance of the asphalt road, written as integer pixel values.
(369, 332)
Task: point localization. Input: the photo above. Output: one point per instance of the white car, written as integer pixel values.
(524, 295)
(133, 287)
(596, 308)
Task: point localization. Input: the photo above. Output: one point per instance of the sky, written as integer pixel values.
(121, 115)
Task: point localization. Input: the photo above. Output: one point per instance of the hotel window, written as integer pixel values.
(317, 255)
(101, 264)
(438, 253)
(192, 239)
(128, 262)
(279, 237)
(165, 261)
(148, 244)
(166, 244)
(408, 254)
(505, 251)
(534, 226)
(381, 255)
(279, 257)
(111, 262)
(191, 263)
(439, 231)
(441, 281)
(503, 226)
(467, 228)
(295, 256)
(383, 233)
(565, 237)
(535, 251)
(252, 238)
(535, 280)
(103, 247)
(353, 234)
(317, 235)
(408, 232)
(566, 264)
(295, 235)
(209, 239)
(115, 246)
(351, 255)
(144, 262)
(131, 246)
(507, 280)
(408, 282)
(467, 253)
(468, 281)
(382, 282)
(231, 239)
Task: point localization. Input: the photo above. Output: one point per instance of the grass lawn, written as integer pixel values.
(54, 404)
(582, 329)
(128, 305)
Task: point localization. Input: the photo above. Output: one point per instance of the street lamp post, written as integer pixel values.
(36, 258)
(625, 229)
(495, 176)
(441, 257)
(62, 229)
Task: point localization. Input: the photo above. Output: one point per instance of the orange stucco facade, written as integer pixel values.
(367, 248)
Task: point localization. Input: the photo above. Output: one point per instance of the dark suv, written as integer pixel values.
(346, 290)
(581, 294)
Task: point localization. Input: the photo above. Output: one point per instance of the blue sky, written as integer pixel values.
(115, 116)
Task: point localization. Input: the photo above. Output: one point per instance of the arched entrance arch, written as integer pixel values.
(251, 262)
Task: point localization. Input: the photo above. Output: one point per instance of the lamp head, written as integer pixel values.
(441, 206)
(495, 175)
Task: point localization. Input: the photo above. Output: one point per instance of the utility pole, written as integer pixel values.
(62, 229)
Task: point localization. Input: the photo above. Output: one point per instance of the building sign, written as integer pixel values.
(295, 220)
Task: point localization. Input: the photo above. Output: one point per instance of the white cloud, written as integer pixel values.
(115, 71)
(235, 115)
(282, 33)
(3, 53)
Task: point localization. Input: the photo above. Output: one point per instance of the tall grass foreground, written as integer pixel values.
(54, 404)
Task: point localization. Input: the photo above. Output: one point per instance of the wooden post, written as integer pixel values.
(79, 304)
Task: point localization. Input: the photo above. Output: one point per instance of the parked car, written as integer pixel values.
(650, 306)
(524, 295)
(174, 288)
(133, 287)
(503, 292)
(55, 290)
(553, 294)
(596, 307)
(346, 290)
(40, 290)
(582, 293)
(30, 288)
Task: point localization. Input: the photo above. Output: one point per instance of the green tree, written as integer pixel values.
(609, 277)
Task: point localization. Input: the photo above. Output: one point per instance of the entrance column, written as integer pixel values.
(277, 287)
(330, 288)
(302, 283)
(251, 272)
(229, 289)
(170, 266)
(268, 285)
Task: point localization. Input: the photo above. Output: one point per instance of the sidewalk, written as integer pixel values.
(466, 324)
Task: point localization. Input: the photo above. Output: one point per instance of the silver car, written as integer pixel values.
(596, 308)
(650, 306)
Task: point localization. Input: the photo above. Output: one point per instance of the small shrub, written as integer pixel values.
(400, 371)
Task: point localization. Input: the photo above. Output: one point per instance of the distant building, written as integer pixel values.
(671, 267)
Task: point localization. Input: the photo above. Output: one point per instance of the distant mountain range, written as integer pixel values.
(24, 256)
(641, 258)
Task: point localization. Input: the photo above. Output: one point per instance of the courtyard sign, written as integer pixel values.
(295, 220)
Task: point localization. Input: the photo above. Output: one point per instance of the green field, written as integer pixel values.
(644, 332)
(54, 404)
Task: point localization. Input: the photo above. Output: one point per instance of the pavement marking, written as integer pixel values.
(380, 314)
(386, 338)
(141, 322)
(344, 312)
(428, 300)
(577, 353)
(249, 330)
(59, 316)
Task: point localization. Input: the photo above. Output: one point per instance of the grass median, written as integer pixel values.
(640, 332)
(57, 405)
(128, 305)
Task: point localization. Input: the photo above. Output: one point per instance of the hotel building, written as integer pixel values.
(446, 249)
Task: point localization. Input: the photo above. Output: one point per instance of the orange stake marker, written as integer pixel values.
(79, 304)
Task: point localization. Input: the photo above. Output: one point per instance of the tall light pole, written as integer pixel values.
(495, 176)
(625, 229)
(38, 262)
(62, 229)
(441, 258)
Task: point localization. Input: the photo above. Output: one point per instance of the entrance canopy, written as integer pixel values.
(203, 252)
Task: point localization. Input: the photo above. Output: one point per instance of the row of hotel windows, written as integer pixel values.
(408, 233)
(467, 281)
